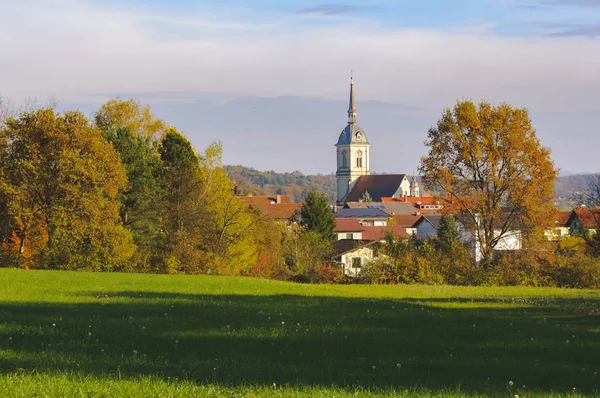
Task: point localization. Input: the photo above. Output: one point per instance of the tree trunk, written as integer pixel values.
(22, 238)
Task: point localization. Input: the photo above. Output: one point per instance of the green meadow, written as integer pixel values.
(108, 334)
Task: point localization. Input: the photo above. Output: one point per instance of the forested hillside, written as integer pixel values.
(295, 184)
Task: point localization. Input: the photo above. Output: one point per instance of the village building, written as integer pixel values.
(428, 225)
(583, 221)
(274, 207)
(365, 216)
(352, 255)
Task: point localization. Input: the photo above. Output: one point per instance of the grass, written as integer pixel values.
(93, 334)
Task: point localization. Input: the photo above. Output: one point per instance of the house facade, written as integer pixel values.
(353, 255)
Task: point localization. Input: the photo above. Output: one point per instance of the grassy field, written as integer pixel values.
(93, 334)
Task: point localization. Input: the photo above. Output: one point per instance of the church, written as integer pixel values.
(354, 180)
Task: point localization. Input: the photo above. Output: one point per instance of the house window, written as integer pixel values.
(349, 236)
(359, 162)
(356, 262)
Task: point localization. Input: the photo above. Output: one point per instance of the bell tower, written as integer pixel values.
(353, 153)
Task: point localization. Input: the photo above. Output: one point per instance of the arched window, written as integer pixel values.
(359, 162)
(344, 159)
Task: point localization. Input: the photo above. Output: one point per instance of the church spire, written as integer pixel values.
(352, 112)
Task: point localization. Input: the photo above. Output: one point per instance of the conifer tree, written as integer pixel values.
(448, 233)
(317, 216)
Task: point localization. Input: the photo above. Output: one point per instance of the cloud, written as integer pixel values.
(84, 52)
(78, 48)
(333, 9)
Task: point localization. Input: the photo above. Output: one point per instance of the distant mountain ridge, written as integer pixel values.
(296, 184)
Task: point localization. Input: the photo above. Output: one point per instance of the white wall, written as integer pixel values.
(355, 235)
(365, 253)
(512, 240)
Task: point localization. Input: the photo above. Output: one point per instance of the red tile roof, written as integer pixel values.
(589, 217)
(562, 217)
(348, 225)
(378, 233)
(268, 206)
(406, 220)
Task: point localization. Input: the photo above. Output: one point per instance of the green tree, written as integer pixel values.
(448, 233)
(304, 253)
(141, 196)
(489, 158)
(62, 180)
(181, 179)
(316, 215)
(207, 227)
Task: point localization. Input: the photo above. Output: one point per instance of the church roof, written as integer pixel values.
(348, 135)
(378, 186)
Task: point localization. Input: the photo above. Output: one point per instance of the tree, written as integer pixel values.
(317, 216)
(305, 252)
(366, 197)
(139, 198)
(132, 115)
(207, 228)
(61, 179)
(448, 233)
(181, 204)
(489, 158)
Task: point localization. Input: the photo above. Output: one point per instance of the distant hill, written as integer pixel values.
(296, 184)
(568, 188)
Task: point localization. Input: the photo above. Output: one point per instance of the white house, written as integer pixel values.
(428, 226)
(352, 255)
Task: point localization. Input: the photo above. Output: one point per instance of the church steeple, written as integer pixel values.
(353, 152)
(352, 112)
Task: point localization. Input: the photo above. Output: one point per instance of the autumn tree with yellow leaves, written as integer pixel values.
(59, 182)
(489, 159)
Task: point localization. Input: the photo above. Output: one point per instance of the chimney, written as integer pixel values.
(278, 199)
(418, 213)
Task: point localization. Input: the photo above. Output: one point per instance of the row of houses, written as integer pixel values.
(361, 225)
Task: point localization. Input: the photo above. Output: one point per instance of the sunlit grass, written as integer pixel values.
(65, 333)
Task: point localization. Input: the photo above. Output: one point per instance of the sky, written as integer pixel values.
(269, 78)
